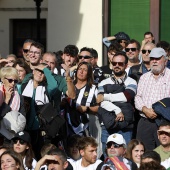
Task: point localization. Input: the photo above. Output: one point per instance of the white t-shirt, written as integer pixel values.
(77, 165)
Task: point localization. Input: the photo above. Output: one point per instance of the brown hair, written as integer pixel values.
(85, 141)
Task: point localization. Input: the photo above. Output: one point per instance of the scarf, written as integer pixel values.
(14, 101)
(40, 94)
(120, 80)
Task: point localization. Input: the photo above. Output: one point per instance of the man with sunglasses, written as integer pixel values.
(152, 87)
(87, 56)
(26, 48)
(115, 95)
(137, 70)
(116, 148)
(132, 51)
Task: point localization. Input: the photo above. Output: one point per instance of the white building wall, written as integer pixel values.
(76, 22)
(15, 9)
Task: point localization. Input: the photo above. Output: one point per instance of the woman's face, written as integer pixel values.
(9, 82)
(8, 163)
(21, 72)
(82, 72)
(137, 152)
(20, 147)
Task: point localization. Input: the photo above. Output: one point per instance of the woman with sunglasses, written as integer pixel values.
(11, 160)
(10, 100)
(135, 150)
(22, 145)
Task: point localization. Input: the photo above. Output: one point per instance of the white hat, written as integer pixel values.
(12, 123)
(157, 52)
(116, 138)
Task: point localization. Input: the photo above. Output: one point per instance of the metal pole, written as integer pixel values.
(38, 4)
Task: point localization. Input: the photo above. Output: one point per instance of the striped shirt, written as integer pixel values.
(151, 89)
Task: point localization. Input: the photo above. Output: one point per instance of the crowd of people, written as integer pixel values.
(60, 110)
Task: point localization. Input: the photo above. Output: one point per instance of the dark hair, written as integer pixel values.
(85, 141)
(46, 148)
(39, 46)
(23, 64)
(151, 166)
(90, 78)
(164, 123)
(131, 145)
(73, 140)
(134, 41)
(122, 53)
(58, 55)
(86, 49)
(163, 44)
(116, 47)
(59, 153)
(17, 157)
(148, 33)
(29, 155)
(153, 155)
(94, 53)
(72, 50)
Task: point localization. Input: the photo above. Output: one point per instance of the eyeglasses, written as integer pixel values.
(34, 52)
(115, 145)
(85, 57)
(122, 41)
(144, 51)
(132, 49)
(22, 142)
(153, 58)
(25, 50)
(119, 64)
(11, 80)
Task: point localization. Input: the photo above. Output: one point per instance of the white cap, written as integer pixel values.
(157, 52)
(116, 138)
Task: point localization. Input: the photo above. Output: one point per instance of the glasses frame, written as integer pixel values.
(25, 51)
(21, 141)
(115, 145)
(85, 57)
(144, 51)
(121, 64)
(11, 80)
(132, 49)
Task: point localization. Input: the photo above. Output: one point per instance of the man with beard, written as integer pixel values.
(88, 151)
(152, 87)
(120, 90)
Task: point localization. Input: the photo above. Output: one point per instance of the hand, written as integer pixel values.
(67, 69)
(9, 91)
(143, 42)
(100, 98)
(119, 117)
(149, 112)
(82, 109)
(42, 66)
(44, 160)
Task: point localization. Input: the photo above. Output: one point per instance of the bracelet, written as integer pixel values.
(68, 78)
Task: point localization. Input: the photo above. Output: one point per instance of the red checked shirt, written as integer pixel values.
(151, 89)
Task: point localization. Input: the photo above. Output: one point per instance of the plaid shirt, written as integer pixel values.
(151, 89)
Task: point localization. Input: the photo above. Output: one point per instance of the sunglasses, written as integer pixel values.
(11, 80)
(132, 49)
(115, 145)
(144, 51)
(22, 142)
(119, 64)
(25, 50)
(85, 57)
